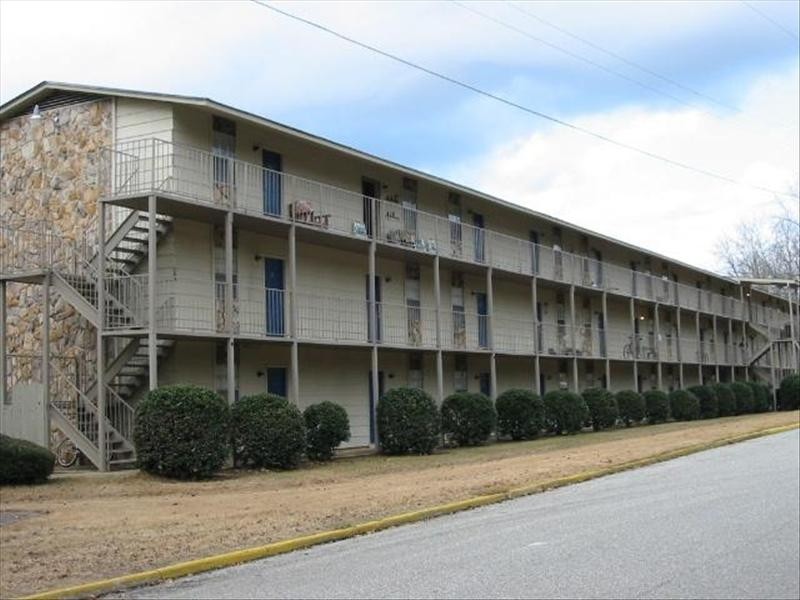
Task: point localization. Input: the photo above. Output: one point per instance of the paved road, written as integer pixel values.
(723, 523)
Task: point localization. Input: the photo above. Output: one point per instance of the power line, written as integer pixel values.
(516, 105)
(766, 17)
(630, 63)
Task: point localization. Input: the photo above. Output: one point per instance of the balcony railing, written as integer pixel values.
(142, 167)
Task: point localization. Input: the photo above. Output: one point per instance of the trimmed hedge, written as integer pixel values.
(602, 408)
(709, 403)
(520, 414)
(182, 431)
(726, 400)
(656, 405)
(327, 426)
(564, 411)
(745, 403)
(684, 405)
(631, 407)
(789, 394)
(762, 396)
(408, 422)
(23, 462)
(268, 431)
(468, 418)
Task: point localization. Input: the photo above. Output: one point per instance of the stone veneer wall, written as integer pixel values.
(50, 178)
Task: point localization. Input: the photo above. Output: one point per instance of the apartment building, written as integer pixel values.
(151, 239)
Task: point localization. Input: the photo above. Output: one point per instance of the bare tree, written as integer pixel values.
(765, 247)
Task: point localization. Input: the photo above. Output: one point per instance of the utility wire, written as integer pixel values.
(511, 103)
(766, 17)
(526, 11)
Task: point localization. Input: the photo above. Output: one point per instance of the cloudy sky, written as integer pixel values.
(711, 84)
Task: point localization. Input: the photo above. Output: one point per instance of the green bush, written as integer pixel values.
(408, 422)
(789, 393)
(468, 418)
(631, 407)
(602, 408)
(564, 411)
(520, 414)
(182, 431)
(22, 461)
(656, 405)
(709, 403)
(327, 426)
(268, 431)
(726, 401)
(684, 405)
(762, 396)
(745, 403)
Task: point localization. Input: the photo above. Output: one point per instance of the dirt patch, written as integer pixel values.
(114, 524)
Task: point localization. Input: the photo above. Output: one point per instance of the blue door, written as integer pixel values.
(272, 184)
(273, 281)
(483, 320)
(485, 384)
(276, 381)
(480, 242)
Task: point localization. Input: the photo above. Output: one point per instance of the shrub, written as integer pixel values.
(327, 426)
(468, 418)
(520, 414)
(602, 408)
(762, 396)
(22, 461)
(709, 403)
(726, 401)
(268, 431)
(408, 422)
(631, 407)
(656, 405)
(744, 397)
(182, 431)
(564, 411)
(684, 405)
(790, 392)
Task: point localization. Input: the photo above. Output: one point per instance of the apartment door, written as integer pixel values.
(485, 381)
(373, 403)
(601, 332)
(379, 329)
(276, 381)
(483, 320)
(480, 238)
(223, 150)
(272, 182)
(369, 190)
(534, 239)
(273, 282)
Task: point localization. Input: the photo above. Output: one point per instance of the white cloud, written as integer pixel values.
(643, 201)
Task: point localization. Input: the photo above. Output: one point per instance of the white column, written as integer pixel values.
(772, 376)
(230, 349)
(680, 349)
(437, 293)
(490, 332)
(716, 347)
(575, 386)
(3, 342)
(699, 348)
(634, 344)
(100, 344)
(658, 347)
(605, 339)
(295, 350)
(792, 331)
(152, 251)
(731, 349)
(46, 357)
(373, 320)
(536, 350)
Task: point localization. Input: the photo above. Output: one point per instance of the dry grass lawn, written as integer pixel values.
(90, 526)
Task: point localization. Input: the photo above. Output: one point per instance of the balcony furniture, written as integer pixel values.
(303, 212)
(359, 229)
(402, 236)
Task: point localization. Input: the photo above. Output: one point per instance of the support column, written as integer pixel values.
(490, 332)
(373, 322)
(680, 349)
(437, 293)
(230, 350)
(575, 386)
(607, 361)
(792, 331)
(634, 344)
(294, 359)
(46, 358)
(699, 348)
(772, 376)
(658, 348)
(731, 349)
(716, 347)
(152, 250)
(100, 343)
(3, 342)
(536, 350)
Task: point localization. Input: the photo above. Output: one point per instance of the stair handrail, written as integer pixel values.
(121, 415)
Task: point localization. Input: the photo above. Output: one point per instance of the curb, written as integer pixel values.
(210, 563)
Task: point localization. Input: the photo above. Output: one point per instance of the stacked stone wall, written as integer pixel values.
(50, 180)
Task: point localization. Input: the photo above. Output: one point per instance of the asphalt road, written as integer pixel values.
(720, 524)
